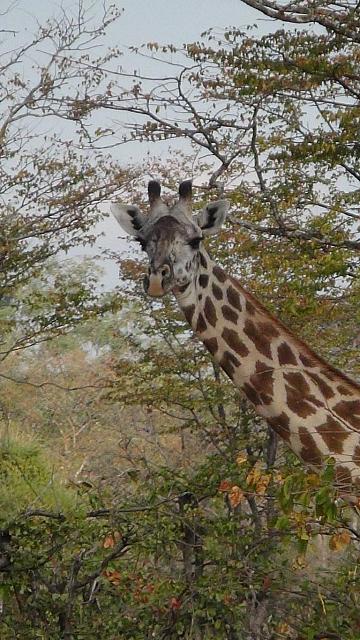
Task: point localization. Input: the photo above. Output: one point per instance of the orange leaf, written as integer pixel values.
(224, 486)
(175, 603)
(283, 628)
(262, 483)
(113, 576)
(111, 539)
(339, 540)
(235, 496)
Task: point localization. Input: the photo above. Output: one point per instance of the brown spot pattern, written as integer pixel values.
(232, 339)
(315, 401)
(250, 308)
(263, 381)
(309, 452)
(297, 380)
(182, 288)
(229, 363)
(261, 342)
(189, 312)
(210, 311)
(251, 394)
(345, 391)
(268, 329)
(217, 291)
(333, 435)
(234, 298)
(229, 314)
(203, 261)
(297, 403)
(299, 383)
(286, 355)
(211, 344)
(201, 325)
(330, 375)
(280, 424)
(307, 360)
(349, 410)
(219, 274)
(203, 280)
(325, 389)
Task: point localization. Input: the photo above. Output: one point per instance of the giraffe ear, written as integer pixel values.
(212, 217)
(129, 217)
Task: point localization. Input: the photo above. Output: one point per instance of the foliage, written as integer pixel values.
(53, 178)
(179, 556)
(142, 497)
(276, 118)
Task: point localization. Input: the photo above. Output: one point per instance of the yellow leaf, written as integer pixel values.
(241, 457)
(313, 480)
(253, 476)
(299, 562)
(283, 628)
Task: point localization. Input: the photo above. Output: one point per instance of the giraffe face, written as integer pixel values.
(170, 236)
(173, 250)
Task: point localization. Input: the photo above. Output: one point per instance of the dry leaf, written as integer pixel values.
(241, 457)
(338, 541)
(278, 478)
(224, 486)
(175, 603)
(111, 539)
(113, 576)
(263, 483)
(299, 562)
(283, 628)
(253, 476)
(235, 496)
(313, 480)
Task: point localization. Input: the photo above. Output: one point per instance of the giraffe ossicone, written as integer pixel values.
(310, 404)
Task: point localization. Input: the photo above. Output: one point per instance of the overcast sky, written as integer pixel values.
(175, 21)
(163, 21)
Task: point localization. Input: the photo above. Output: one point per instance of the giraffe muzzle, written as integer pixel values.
(157, 283)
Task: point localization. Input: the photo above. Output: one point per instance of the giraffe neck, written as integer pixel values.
(310, 404)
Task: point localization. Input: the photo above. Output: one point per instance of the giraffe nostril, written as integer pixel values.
(165, 271)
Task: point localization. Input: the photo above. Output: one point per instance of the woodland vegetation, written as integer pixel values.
(140, 496)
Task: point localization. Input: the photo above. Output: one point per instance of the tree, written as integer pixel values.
(342, 20)
(278, 118)
(54, 175)
(212, 529)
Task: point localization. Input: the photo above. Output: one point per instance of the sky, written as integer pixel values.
(176, 21)
(163, 21)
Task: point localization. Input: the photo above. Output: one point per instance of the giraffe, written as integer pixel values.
(310, 404)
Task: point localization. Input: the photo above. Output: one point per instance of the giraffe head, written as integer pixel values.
(170, 236)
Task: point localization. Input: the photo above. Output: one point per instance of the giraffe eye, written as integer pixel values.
(194, 243)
